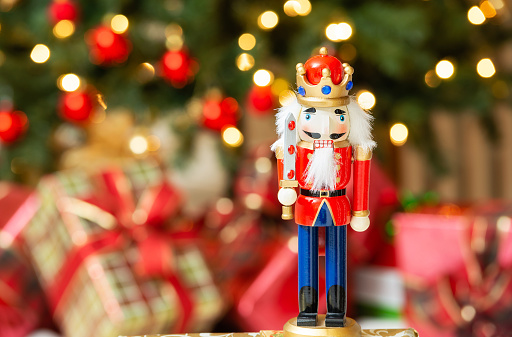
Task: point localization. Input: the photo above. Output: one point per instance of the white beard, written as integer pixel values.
(321, 170)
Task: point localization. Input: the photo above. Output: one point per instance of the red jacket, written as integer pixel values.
(307, 208)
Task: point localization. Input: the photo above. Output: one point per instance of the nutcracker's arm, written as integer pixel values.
(360, 220)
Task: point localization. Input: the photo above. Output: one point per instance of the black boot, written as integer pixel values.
(308, 306)
(336, 307)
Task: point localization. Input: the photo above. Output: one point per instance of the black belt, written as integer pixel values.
(323, 193)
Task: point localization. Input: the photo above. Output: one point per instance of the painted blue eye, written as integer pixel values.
(342, 118)
(308, 117)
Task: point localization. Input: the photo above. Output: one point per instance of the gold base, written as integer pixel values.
(351, 329)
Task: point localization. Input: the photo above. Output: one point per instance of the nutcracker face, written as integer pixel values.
(323, 123)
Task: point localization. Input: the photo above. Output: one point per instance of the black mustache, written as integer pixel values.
(313, 135)
(336, 135)
(316, 135)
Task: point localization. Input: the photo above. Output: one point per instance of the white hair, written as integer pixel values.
(360, 124)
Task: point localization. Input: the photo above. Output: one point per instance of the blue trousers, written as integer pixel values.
(335, 256)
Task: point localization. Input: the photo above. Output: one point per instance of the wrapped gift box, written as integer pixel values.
(106, 261)
(457, 269)
(22, 305)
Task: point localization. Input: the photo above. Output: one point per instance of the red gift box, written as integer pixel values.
(22, 306)
(106, 261)
(457, 270)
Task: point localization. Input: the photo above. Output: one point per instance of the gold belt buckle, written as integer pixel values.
(324, 194)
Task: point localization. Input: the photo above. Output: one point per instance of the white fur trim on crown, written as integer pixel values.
(360, 124)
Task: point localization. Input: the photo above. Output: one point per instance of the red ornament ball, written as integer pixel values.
(107, 47)
(178, 67)
(261, 100)
(12, 125)
(76, 107)
(219, 114)
(62, 10)
(316, 64)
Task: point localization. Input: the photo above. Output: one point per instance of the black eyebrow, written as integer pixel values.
(313, 110)
(339, 112)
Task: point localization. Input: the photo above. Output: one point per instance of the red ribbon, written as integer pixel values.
(139, 224)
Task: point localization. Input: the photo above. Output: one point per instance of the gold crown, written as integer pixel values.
(325, 93)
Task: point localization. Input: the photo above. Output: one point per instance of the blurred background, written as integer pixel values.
(138, 189)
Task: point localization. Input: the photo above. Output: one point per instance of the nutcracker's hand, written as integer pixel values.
(360, 223)
(287, 196)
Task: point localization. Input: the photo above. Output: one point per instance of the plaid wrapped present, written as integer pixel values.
(457, 267)
(22, 306)
(106, 262)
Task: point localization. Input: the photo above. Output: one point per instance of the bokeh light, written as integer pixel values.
(232, 137)
(398, 134)
(476, 16)
(291, 8)
(63, 29)
(247, 41)
(485, 68)
(366, 99)
(68, 82)
(279, 85)
(431, 79)
(445, 69)
(263, 77)
(245, 62)
(488, 9)
(40, 53)
(119, 23)
(138, 144)
(268, 20)
(338, 32)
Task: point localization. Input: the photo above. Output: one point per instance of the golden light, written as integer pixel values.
(145, 72)
(40, 53)
(253, 201)
(245, 62)
(305, 7)
(366, 99)
(344, 31)
(445, 69)
(268, 20)
(138, 144)
(119, 23)
(476, 16)
(279, 85)
(247, 41)
(332, 32)
(174, 37)
(2, 57)
(263, 165)
(338, 32)
(291, 8)
(398, 134)
(488, 9)
(224, 206)
(153, 143)
(68, 82)
(485, 68)
(232, 136)
(263, 77)
(497, 4)
(63, 29)
(431, 79)
(286, 97)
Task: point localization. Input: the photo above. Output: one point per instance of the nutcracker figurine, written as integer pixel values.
(324, 137)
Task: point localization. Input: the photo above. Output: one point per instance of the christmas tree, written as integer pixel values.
(210, 63)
